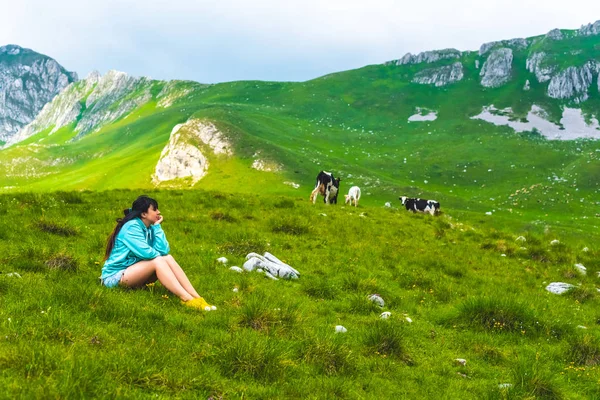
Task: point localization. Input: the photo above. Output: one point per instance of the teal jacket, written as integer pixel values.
(135, 243)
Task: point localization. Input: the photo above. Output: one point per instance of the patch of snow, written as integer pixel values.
(418, 117)
(573, 121)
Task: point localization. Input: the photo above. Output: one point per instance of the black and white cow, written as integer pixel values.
(420, 205)
(327, 186)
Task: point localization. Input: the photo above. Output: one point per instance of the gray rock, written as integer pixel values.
(573, 83)
(440, 76)
(555, 34)
(518, 44)
(426, 57)
(28, 81)
(496, 70)
(526, 86)
(535, 64)
(559, 287)
(590, 29)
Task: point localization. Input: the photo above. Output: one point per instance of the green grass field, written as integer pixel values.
(470, 289)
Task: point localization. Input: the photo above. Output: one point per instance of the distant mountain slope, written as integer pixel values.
(28, 81)
(424, 125)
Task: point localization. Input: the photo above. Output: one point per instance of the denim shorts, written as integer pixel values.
(113, 280)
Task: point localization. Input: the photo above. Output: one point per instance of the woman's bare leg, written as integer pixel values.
(141, 272)
(181, 276)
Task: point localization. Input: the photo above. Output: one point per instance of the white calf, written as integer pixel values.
(353, 196)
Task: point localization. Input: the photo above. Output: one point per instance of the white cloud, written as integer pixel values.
(212, 41)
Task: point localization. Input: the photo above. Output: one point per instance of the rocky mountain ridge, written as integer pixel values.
(97, 101)
(28, 80)
(569, 81)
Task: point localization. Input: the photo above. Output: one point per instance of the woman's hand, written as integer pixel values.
(159, 221)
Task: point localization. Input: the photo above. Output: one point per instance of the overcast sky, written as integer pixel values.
(282, 40)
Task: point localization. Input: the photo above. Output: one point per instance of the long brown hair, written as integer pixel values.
(139, 206)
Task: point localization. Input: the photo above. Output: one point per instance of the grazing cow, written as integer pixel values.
(353, 196)
(327, 186)
(420, 205)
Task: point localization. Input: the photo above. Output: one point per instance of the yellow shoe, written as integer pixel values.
(200, 304)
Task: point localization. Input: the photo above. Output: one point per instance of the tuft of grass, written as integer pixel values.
(331, 356)
(319, 288)
(63, 262)
(289, 224)
(260, 358)
(386, 338)
(56, 228)
(219, 215)
(531, 381)
(499, 315)
(285, 203)
(584, 350)
(583, 293)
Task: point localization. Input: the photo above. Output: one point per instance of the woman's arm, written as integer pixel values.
(160, 240)
(135, 239)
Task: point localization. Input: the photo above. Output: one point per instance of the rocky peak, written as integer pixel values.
(555, 34)
(518, 43)
(28, 81)
(590, 29)
(426, 57)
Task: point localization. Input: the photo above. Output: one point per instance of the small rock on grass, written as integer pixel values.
(222, 260)
(340, 329)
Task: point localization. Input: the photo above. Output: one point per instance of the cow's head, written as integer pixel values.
(336, 182)
(403, 199)
(347, 197)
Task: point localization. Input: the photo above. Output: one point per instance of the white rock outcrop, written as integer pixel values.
(440, 76)
(535, 64)
(182, 157)
(574, 82)
(497, 68)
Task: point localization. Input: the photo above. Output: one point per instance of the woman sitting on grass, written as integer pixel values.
(137, 253)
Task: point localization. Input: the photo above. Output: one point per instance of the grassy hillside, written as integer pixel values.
(471, 292)
(354, 123)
